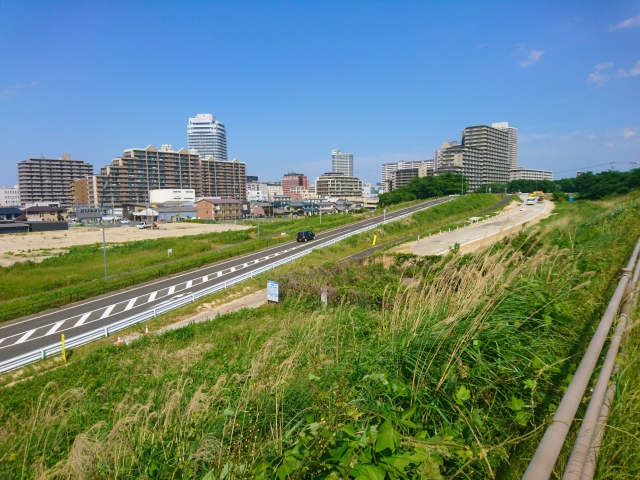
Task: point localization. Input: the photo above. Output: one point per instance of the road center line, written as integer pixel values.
(189, 284)
(107, 312)
(53, 329)
(24, 337)
(82, 319)
(171, 290)
(205, 278)
(152, 297)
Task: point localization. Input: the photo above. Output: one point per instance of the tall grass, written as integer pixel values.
(417, 369)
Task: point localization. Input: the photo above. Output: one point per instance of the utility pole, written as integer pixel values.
(104, 240)
(258, 227)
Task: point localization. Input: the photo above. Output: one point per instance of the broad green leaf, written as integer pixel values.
(462, 395)
(476, 418)
(516, 404)
(406, 415)
(313, 377)
(369, 472)
(530, 384)
(522, 418)
(385, 438)
(399, 462)
(430, 471)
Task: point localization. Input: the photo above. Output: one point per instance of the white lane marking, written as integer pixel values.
(54, 328)
(205, 278)
(220, 273)
(82, 319)
(232, 269)
(189, 284)
(107, 312)
(152, 297)
(130, 304)
(24, 337)
(245, 264)
(171, 290)
(1, 340)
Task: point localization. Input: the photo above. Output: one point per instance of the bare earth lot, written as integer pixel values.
(15, 248)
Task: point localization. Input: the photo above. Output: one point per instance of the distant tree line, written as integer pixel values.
(591, 186)
(421, 188)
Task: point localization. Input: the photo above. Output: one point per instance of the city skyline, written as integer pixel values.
(565, 74)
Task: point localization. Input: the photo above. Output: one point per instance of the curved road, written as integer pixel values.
(21, 336)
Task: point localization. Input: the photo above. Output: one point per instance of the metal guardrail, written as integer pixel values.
(581, 464)
(42, 353)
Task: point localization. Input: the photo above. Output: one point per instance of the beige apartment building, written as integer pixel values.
(130, 178)
(87, 191)
(338, 185)
(48, 180)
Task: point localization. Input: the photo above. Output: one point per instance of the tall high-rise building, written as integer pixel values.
(208, 136)
(342, 163)
(482, 157)
(513, 141)
(48, 180)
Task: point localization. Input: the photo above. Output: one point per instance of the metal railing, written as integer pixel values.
(56, 348)
(581, 464)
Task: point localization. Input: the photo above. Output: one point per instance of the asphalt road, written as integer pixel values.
(22, 336)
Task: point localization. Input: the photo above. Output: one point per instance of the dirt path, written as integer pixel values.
(512, 219)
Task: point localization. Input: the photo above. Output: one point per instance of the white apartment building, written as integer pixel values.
(208, 136)
(10, 196)
(342, 163)
(513, 141)
(522, 173)
(168, 195)
(389, 168)
(255, 194)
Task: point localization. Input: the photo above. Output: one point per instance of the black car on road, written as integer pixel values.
(305, 236)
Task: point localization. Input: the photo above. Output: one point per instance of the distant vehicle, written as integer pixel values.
(125, 221)
(531, 201)
(142, 225)
(540, 199)
(305, 236)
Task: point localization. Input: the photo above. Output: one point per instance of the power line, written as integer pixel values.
(592, 166)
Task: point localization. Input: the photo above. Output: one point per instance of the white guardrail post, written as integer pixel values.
(42, 353)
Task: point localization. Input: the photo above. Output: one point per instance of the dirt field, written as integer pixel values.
(15, 248)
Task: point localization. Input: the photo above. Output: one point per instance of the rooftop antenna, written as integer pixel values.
(612, 166)
(41, 156)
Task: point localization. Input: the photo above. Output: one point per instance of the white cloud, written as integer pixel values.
(592, 137)
(11, 91)
(534, 56)
(610, 145)
(629, 132)
(629, 22)
(598, 77)
(632, 72)
(482, 45)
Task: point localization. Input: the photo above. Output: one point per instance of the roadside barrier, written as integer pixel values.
(582, 463)
(105, 331)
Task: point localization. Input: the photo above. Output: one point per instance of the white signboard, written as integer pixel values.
(272, 291)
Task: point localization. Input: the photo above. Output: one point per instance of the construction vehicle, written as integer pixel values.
(537, 193)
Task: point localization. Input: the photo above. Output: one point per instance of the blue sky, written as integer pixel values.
(293, 80)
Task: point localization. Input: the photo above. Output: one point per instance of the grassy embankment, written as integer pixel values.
(30, 287)
(77, 275)
(442, 377)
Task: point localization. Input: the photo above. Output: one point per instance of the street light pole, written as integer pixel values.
(104, 240)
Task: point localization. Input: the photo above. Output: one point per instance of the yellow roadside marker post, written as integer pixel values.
(64, 354)
(375, 237)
